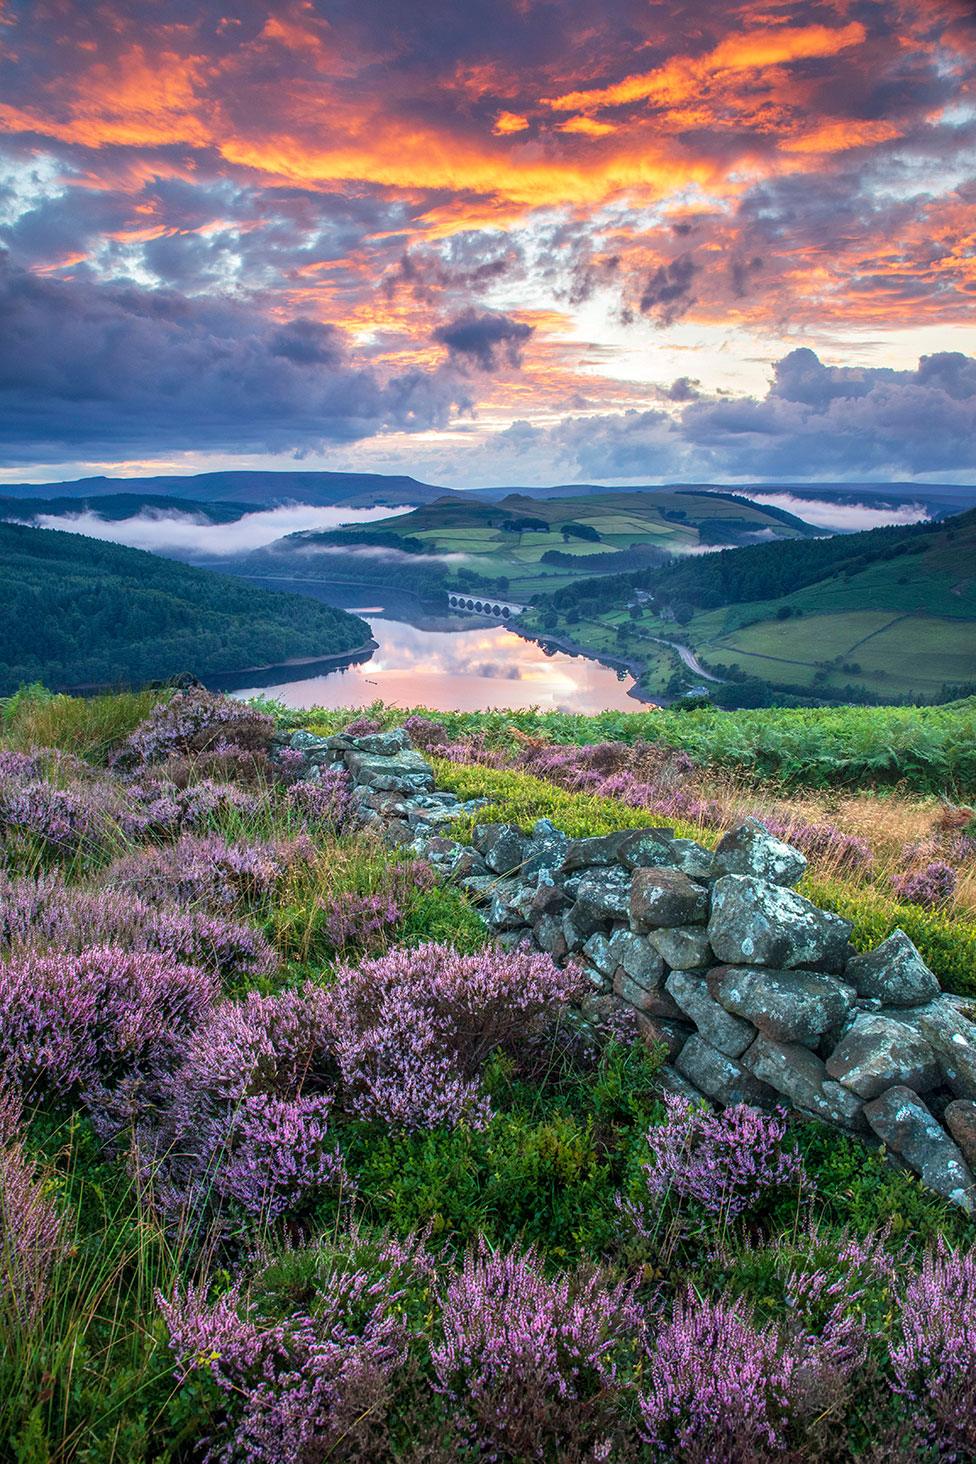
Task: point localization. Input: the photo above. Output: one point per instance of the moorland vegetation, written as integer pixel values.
(295, 1164)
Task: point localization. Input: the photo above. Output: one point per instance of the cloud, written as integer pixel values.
(815, 422)
(667, 293)
(185, 536)
(484, 339)
(114, 368)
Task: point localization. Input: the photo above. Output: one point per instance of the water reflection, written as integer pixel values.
(477, 665)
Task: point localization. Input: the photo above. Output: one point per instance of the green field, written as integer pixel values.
(496, 548)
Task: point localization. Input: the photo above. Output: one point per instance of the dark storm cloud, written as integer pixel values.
(103, 368)
(668, 294)
(485, 340)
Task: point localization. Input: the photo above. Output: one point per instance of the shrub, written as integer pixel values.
(106, 1025)
(413, 1027)
(193, 722)
(310, 1387)
(324, 805)
(209, 871)
(934, 1358)
(718, 1387)
(932, 886)
(43, 912)
(527, 1362)
(31, 1239)
(276, 1153)
(730, 1164)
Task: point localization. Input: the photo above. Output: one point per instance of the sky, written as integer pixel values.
(489, 242)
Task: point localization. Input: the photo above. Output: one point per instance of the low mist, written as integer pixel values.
(182, 535)
(843, 518)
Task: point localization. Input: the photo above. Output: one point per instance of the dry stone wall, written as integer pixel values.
(757, 995)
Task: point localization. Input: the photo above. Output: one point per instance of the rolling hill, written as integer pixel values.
(527, 546)
(883, 615)
(76, 611)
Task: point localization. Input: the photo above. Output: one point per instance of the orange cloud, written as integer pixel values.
(507, 122)
(677, 80)
(586, 127)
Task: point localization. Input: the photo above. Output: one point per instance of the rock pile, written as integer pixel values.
(757, 995)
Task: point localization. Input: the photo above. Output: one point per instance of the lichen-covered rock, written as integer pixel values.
(880, 1052)
(750, 849)
(789, 1006)
(953, 1037)
(602, 898)
(637, 957)
(600, 852)
(391, 743)
(729, 1034)
(801, 1077)
(755, 923)
(662, 1031)
(903, 1122)
(546, 849)
(719, 1077)
(960, 1120)
(502, 846)
(659, 849)
(408, 772)
(666, 897)
(894, 972)
(653, 1001)
(683, 947)
(669, 1080)
(550, 936)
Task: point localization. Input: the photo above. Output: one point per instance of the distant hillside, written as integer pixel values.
(888, 613)
(371, 490)
(256, 490)
(117, 507)
(526, 546)
(76, 611)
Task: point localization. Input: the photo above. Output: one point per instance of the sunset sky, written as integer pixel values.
(489, 241)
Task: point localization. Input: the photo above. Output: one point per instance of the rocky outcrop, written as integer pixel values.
(756, 995)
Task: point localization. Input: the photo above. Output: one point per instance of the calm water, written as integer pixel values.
(470, 665)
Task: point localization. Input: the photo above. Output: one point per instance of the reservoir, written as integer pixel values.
(449, 662)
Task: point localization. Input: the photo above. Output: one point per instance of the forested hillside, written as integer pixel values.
(74, 611)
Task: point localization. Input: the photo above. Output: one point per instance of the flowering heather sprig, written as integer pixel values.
(158, 808)
(60, 817)
(716, 1387)
(44, 913)
(276, 1153)
(18, 767)
(324, 804)
(244, 1114)
(303, 1389)
(824, 841)
(289, 763)
(934, 1359)
(31, 1238)
(932, 886)
(209, 871)
(108, 1025)
(527, 1362)
(728, 1163)
(425, 733)
(413, 1028)
(194, 722)
(360, 921)
(362, 727)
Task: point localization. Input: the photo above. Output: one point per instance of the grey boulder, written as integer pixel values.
(953, 1037)
(666, 897)
(801, 1077)
(879, 1052)
(683, 947)
(755, 923)
(903, 1122)
(751, 849)
(730, 1035)
(789, 1006)
(894, 971)
(721, 1078)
